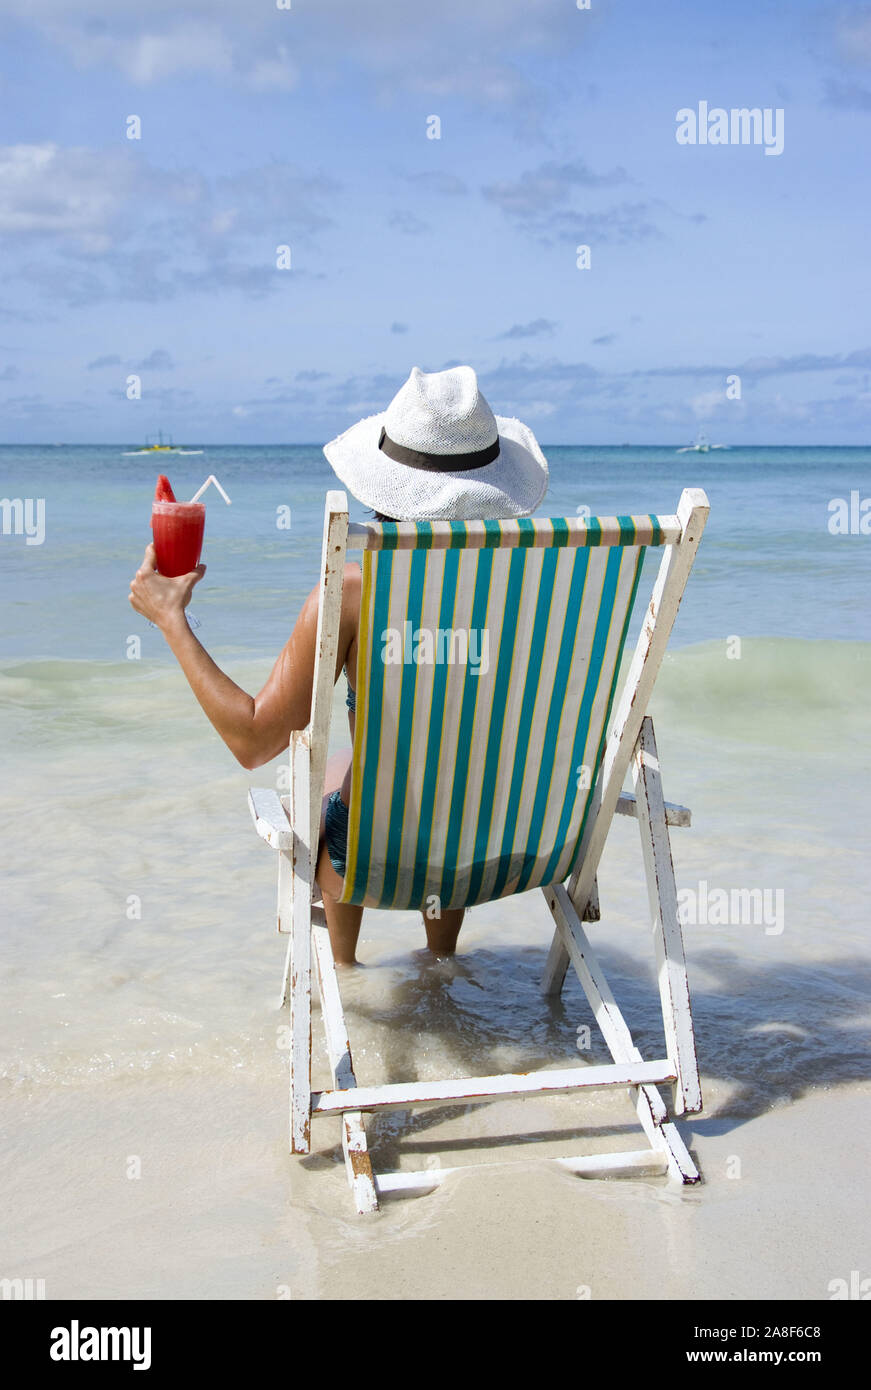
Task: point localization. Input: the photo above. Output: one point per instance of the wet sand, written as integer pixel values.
(221, 1211)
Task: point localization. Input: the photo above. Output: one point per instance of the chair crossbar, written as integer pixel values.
(674, 815)
(640, 1162)
(533, 532)
(469, 1088)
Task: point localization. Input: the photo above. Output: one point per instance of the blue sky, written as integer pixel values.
(307, 127)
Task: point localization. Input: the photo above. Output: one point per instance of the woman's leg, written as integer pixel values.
(343, 919)
(442, 932)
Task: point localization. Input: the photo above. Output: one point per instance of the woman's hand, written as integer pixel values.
(159, 599)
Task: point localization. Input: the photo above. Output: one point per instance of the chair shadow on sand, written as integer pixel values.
(757, 1029)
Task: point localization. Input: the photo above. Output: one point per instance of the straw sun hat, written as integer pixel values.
(438, 451)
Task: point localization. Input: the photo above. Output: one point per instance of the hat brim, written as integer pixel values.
(512, 485)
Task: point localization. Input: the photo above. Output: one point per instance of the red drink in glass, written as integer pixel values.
(178, 536)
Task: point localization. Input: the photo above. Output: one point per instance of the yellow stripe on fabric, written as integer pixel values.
(628, 607)
(525, 672)
(361, 716)
(430, 740)
(459, 696)
(567, 559)
(594, 726)
(574, 716)
(592, 740)
(509, 793)
(383, 799)
(420, 726)
(576, 613)
(472, 780)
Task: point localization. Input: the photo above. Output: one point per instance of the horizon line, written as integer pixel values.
(313, 444)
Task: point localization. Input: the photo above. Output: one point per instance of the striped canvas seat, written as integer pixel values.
(488, 657)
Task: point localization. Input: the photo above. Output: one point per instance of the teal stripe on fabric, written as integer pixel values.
(600, 750)
(492, 533)
(480, 601)
(459, 535)
(435, 732)
(418, 559)
(516, 568)
(383, 562)
(574, 603)
(527, 531)
(424, 535)
(594, 671)
(560, 530)
(390, 536)
(591, 687)
(527, 709)
(627, 530)
(594, 531)
(656, 538)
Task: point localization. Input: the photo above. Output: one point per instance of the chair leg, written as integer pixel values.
(667, 937)
(285, 983)
(285, 917)
(358, 1165)
(296, 997)
(652, 1114)
(300, 1035)
(557, 963)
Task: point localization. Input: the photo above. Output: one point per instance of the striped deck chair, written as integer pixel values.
(489, 758)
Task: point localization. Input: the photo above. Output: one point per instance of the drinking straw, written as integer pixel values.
(211, 479)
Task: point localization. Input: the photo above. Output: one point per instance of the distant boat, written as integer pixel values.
(701, 445)
(160, 447)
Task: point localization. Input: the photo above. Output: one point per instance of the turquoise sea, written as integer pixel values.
(139, 950)
(768, 568)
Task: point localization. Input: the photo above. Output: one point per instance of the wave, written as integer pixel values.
(771, 691)
(749, 676)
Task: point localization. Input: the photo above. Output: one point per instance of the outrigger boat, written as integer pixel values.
(160, 447)
(701, 445)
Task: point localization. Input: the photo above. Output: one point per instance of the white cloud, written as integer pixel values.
(151, 57)
(274, 73)
(785, 409)
(165, 39)
(121, 228)
(707, 403)
(452, 48)
(89, 197)
(854, 35)
(551, 184)
(72, 192)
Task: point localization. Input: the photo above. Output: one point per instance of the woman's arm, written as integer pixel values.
(254, 728)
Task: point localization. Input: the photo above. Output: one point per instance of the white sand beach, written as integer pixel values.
(222, 1212)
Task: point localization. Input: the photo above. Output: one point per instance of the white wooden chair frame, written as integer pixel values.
(291, 825)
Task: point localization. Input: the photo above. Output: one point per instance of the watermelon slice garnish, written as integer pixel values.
(163, 492)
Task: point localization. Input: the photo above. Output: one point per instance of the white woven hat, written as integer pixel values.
(438, 451)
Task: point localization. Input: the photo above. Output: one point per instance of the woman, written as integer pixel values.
(437, 452)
